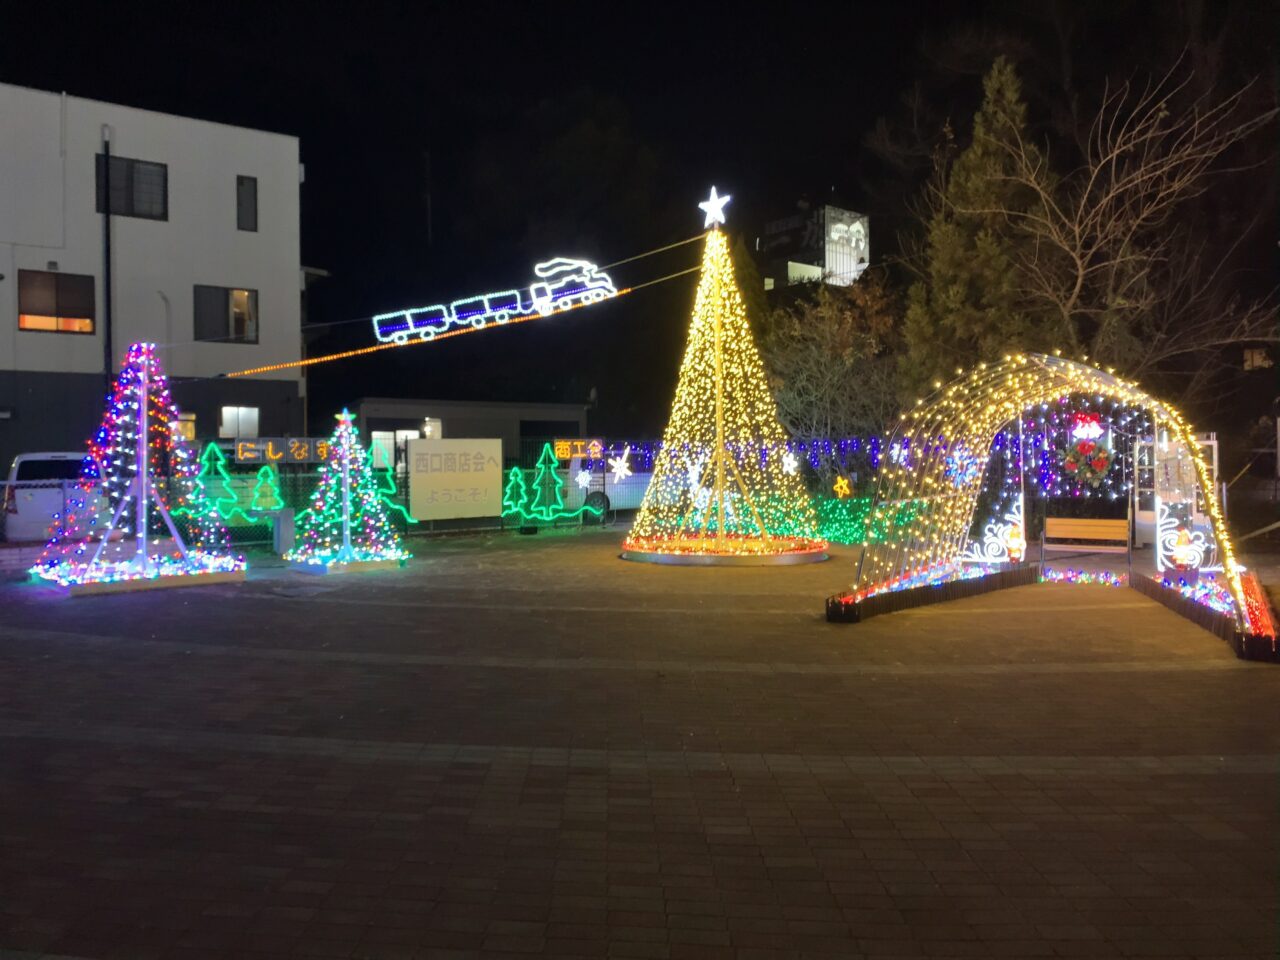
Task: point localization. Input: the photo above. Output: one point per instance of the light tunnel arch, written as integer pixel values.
(961, 420)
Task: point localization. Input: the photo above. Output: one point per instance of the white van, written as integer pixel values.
(601, 490)
(40, 484)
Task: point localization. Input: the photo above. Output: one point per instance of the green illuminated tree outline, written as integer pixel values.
(213, 472)
(266, 492)
(387, 483)
(515, 495)
(546, 501)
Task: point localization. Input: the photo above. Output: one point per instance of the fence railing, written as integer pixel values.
(246, 505)
(850, 456)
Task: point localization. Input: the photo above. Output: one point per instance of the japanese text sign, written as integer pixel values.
(280, 450)
(571, 449)
(455, 478)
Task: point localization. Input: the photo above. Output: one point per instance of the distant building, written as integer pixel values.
(203, 258)
(816, 243)
(388, 423)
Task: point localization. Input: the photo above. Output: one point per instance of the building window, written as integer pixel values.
(139, 188)
(238, 422)
(1256, 358)
(382, 444)
(185, 427)
(55, 302)
(226, 314)
(247, 203)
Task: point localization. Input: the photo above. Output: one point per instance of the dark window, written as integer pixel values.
(67, 469)
(226, 314)
(247, 203)
(55, 302)
(139, 188)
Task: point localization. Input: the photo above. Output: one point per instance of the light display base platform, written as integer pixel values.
(703, 553)
(1247, 646)
(144, 583)
(355, 566)
(842, 608)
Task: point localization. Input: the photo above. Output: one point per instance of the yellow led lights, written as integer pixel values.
(965, 415)
(720, 486)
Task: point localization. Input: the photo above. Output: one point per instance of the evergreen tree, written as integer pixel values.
(967, 306)
(750, 286)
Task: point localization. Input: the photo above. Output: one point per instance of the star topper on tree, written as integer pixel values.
(713, 207)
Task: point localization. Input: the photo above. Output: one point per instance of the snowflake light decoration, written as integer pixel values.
(961, 467)
(621, 466)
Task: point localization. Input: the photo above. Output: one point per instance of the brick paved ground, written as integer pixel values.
(525, 746)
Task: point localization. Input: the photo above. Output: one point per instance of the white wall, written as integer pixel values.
(48, 212)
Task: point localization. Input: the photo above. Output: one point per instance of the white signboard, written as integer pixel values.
(452, 479)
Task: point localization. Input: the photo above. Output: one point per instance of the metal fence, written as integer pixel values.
(858, 458)
(247, 506)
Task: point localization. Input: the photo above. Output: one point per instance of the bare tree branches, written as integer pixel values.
(1104, 253)
(828, 364)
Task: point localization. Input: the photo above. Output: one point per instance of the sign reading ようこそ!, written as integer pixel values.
(455, 478)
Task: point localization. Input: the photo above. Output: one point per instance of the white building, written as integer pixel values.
(203, 257)
(815, 244)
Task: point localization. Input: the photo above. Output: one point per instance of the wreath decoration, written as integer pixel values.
(1087, 462)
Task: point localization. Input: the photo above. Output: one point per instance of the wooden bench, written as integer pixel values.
(1099, 536)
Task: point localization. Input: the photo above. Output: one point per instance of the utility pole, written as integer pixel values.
(108, 358)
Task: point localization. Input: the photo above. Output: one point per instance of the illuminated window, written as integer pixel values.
(185, 427)
(226, 314)
(139, 188)
(247, 203)
(1256, 358)
(238, 422)
(55, 302)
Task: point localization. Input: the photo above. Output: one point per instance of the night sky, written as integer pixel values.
(547, 129)
(536, 130)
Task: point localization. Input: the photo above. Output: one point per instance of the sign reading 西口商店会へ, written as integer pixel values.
(453, 479)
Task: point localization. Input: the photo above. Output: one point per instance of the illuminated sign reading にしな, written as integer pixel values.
(282, 450)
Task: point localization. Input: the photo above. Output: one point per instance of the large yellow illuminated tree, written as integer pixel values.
(724, 488)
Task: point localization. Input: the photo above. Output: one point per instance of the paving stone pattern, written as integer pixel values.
(526, 747)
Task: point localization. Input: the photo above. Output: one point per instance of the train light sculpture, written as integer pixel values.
(563, 283)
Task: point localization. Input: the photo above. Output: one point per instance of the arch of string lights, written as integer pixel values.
(959, 423)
